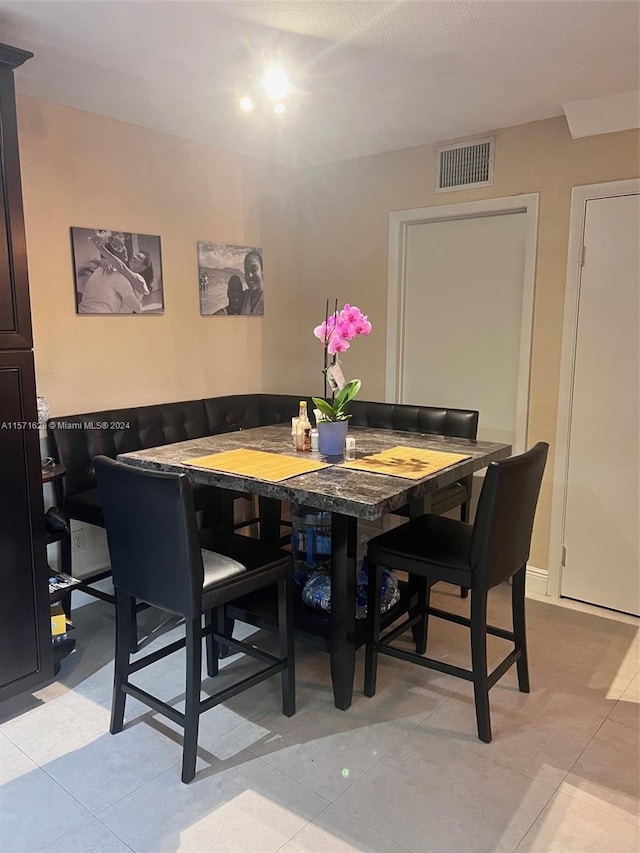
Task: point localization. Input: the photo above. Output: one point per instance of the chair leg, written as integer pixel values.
(464, 512)
(520, 628)
(420, 628)
(373, 628)
(65, 601)
(134, 627)
(65, 565)
(287, 645)
(479, 663)
(464, 516)
(225, 626)
(211, 644)
(192, 698)
(124, 630)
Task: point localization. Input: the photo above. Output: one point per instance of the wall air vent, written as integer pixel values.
(465, 166)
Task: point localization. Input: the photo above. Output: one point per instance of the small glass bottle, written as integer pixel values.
(350, 448)
(315, 440)
(303, 428)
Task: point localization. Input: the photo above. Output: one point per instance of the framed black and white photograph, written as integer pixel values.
(117, 272)
(231, 280)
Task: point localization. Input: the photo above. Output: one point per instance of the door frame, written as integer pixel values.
(579, 197)
(399, 222)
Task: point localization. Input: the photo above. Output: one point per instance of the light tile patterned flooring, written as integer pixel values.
(401, 771)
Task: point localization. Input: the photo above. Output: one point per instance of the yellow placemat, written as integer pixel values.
(256, 463)
(410, 462)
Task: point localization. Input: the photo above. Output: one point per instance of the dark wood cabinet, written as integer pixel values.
(15, 312)
(25, 634)
(25, 638)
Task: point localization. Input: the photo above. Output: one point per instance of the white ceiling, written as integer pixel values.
(369, 76)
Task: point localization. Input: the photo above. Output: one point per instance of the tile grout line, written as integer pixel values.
(115, 834)
(58, 785)
(302, 828)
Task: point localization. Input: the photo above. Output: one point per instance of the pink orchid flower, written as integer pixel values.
(337, 344)
(363, 326)
(350, 313)
(340, 328)
(321, 332)
(346, 328)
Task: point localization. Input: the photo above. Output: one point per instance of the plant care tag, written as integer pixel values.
(335, 376)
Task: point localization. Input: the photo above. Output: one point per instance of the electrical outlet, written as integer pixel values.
(77, 540)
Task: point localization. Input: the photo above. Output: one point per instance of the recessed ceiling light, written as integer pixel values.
(275, 82)
(246, 104)
(279, 109)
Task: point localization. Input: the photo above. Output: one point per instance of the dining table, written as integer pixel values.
(348, 493)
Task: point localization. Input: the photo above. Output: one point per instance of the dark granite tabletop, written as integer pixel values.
(355, 493)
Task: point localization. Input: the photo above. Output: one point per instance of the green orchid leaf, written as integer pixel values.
(326, 408)
(336, 411)
(347, 393)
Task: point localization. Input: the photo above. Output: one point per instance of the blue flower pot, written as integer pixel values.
(331, 437)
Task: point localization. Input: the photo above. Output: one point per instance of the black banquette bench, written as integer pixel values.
(75, 440)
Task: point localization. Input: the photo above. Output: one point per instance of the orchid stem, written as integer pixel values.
(326, 344)
(335, 357)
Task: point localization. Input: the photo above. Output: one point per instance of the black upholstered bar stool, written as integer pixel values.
(156, 558)
(479, 557)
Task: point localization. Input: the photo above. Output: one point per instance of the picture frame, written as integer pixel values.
(117, 272)
(230, 280)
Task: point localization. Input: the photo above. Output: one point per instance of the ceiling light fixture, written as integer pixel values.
(275, 82)
(246, 104)
(279, 109)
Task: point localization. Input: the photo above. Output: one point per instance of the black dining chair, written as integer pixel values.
(454, 423)
(156, 558)
(478, 557)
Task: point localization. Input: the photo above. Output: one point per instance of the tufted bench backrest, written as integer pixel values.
(231, 413)
(76, 439)
(462, 423)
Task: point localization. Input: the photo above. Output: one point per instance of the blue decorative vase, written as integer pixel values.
(331, 437)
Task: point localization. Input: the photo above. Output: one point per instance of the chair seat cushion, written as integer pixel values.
(218, 568)
(236, 565)
(430, 545)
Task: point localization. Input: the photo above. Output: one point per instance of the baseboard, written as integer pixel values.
(537, 580)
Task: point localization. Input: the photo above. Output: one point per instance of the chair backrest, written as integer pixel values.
(504, 519)
(152, 535)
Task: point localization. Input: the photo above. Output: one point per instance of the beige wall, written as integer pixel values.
(86, 170)
(343, 235)
(325, 232)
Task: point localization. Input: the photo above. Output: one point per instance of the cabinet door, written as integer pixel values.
(25, 636)
(15, 312)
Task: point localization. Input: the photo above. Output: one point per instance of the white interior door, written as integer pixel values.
(602, 505)
(462, 318)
